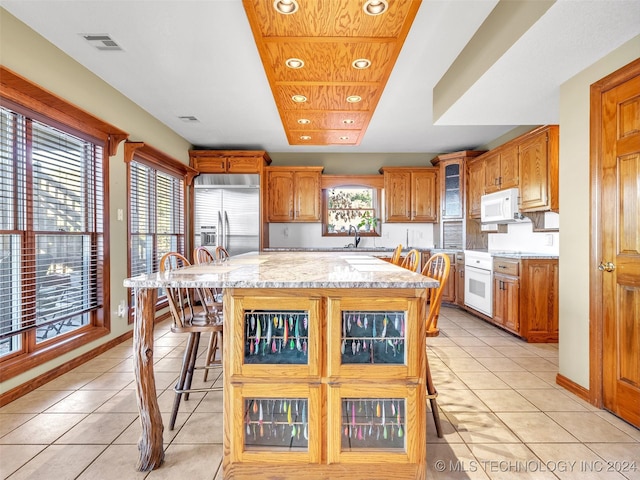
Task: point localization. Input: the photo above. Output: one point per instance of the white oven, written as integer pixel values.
(478, 288)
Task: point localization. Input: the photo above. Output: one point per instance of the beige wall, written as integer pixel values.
(30, 55)
(575, 199)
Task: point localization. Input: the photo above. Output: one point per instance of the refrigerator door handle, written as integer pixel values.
(219, 232)
(226, 231)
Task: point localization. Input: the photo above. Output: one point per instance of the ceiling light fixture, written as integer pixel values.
(361, 63)
(305, 137)
(375, 7)
(354, 98)
(304, 121)
(299, 98)
(344, 138)
(285, 7)
(294, 63)
(348, 121)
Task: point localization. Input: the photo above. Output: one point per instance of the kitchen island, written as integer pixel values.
(324, 356)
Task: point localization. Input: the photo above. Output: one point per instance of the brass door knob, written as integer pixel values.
(606, 267)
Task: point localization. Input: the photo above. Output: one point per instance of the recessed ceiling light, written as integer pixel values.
(304, 121)
(299, 98)
(375, 7)
(294, 63)
(285, 7)
(348, 121)
(361, 63)
(354, 98)
(344, 138)
(305, 137)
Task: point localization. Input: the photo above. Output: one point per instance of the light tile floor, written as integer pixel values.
(503, 417)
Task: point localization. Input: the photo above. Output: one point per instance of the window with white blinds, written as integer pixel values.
(51, 233)
(156, 217)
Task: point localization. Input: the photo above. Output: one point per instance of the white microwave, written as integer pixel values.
(500, 207)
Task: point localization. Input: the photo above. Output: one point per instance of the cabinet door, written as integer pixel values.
(459, 282)
(508, 168)
(424, 196)
(449, 292)
(244, 164)
(475, 189)
(492, 173)
(397, 187)
(307, 197)
(534, 183)
(280, 193)
(210, 164)
(540, 306)
(505, 301)
(451, 192)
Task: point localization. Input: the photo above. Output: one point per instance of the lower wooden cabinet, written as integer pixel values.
(328, 380)
(459, 281)
(525, 297)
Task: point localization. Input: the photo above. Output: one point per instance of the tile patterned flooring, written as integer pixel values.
(503, 417)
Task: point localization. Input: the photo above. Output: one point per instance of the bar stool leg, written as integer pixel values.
(181, 380)
(432, 394)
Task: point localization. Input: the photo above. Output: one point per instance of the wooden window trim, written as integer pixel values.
(18, 89)
(375, 182)
(153, 158)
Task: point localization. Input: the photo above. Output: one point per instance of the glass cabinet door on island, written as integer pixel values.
(370, 338)
(369, 424)
(278, 335)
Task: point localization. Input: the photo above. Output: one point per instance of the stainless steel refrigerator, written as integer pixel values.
(227, 212)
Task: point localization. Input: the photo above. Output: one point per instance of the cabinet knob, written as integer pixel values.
(606, 267)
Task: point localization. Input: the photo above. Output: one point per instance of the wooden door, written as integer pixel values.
(619, 269)
(280, 194)
(424, 195)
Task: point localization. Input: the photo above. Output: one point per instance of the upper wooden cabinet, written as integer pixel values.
(294, 194)
(528, 162)
(411, 194)
(229, 161)
(538, 159)
(475, 187)
(501, 169)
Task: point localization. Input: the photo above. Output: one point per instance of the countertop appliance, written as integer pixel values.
(478, 288)
(500, 207)
(227, 212)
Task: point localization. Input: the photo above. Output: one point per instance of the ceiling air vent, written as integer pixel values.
(102, 42)
(188, 119)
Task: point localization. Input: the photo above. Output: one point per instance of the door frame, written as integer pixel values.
(596, 310)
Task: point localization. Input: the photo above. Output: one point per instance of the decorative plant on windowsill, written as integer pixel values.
(368, 221)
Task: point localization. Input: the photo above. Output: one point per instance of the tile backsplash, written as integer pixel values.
(521, 237)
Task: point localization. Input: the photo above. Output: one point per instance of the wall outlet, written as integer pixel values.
(548, 240)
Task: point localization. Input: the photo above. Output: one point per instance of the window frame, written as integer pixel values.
(32, 101)
(155, 159)
(375, 182)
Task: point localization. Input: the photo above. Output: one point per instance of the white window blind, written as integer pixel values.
(156, 216)
(51, 231)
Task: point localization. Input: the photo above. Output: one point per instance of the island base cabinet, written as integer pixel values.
(355, 408)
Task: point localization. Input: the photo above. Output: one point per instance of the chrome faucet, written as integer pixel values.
(356, 236)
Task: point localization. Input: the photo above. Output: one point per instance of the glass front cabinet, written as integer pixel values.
(323, 380)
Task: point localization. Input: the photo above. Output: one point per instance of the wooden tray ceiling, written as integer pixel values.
(328, 35)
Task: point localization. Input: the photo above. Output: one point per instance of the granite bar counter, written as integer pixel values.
(318, 343)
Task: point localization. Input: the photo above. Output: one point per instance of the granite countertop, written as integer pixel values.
(524, 255)
(290, 270)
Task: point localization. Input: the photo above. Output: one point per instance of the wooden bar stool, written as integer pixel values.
(437, 267)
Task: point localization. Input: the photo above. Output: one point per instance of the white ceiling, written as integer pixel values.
(198, 58)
